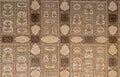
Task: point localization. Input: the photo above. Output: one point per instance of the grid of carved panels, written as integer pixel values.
(59, 38)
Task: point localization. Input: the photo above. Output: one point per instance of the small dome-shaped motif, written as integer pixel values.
(112, 30)
(64, 50)
(112, 6)
(35, 29)
(112, 49)
(64, 73)
(64, 29)
(112, 73)
(35, 73)
(35, 5)
(35, 49)
(64, 5)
